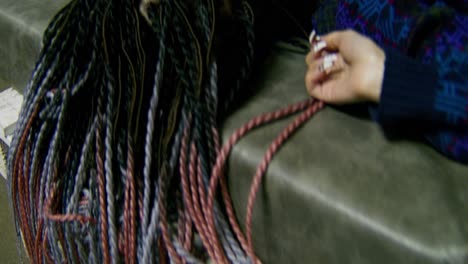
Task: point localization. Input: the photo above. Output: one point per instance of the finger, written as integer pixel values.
(312, 36)
(329, 64)
(321, 69)
(329, 91)
(310, 58)
(318, 46)
(313, 75)
(334, 39)
(310, 80)
(324, 71)
(322, 91)
(317, 50)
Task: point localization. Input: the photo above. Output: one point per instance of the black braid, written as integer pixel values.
(81, 144)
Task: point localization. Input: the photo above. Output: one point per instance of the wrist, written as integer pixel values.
(376, 92)
(377, 70)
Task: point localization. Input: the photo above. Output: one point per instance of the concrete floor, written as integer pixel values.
(8, 243)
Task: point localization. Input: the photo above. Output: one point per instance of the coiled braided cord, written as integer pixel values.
(199, 204)
(202, 210)
(308, 108)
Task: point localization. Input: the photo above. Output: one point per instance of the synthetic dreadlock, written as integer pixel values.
(123, 94)
(116, 155)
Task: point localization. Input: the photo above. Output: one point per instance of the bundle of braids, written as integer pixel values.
(116, 156)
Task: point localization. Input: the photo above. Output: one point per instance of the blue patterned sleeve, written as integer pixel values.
(429, 95)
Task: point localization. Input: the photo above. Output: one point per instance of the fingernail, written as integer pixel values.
(328, 62)
(312, 36)
(330, 57)
(319, 46)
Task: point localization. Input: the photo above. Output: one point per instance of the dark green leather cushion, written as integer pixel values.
(340, 192)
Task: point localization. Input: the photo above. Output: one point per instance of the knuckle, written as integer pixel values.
(349, 32)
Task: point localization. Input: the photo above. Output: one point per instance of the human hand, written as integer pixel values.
(345, 67)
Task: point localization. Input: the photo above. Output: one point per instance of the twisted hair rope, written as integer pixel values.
(184, 226)
(102, 199)
(158, 213)
(195, 171)
(238, 255)
(261, 169)
(109, 175)
(150, 128)
(163, 186)
(79, 178)
(187, 195)
(218, 168)
(108, 92)
(130, 207)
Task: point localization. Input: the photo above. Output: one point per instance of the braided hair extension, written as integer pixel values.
(93, 166)
(116, 156)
